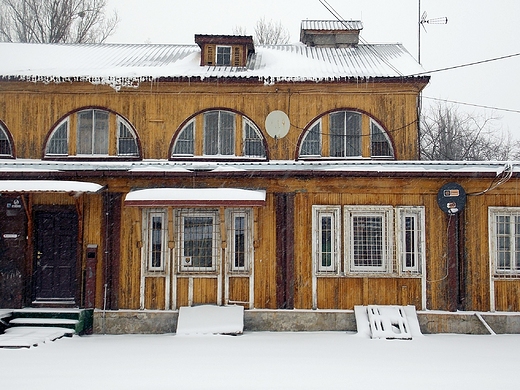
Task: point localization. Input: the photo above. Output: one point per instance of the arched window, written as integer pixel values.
(219, 134)
(93, 133)
(345, 134)
(6, 147)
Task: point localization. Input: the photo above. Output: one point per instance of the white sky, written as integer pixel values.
(477, 30)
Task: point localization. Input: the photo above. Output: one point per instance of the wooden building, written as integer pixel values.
(143, 178)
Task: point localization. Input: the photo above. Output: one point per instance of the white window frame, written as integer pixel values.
(318, 213)
(231, 215)
(494, 212)
(373, 123)
(387, 234)
(149, 215)
(220, 136)
(105, 143)
(418, 237)
(230, 55)
(184, 266)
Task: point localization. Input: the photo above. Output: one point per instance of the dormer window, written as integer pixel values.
(223, 56)
(224, 50)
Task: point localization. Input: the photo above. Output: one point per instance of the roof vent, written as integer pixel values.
(330, 33)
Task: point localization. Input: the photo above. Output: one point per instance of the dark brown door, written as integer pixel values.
(56, 235)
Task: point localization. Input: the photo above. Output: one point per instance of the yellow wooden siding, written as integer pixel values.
(157, 110)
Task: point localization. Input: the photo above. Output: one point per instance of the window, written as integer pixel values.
(198, 238)
(411, 238)
(155, 239)
(6, 149)
(219, 134)
(311, 145)
(241, 242)
(345, 134)
(185, 144)
(368, 238)
(223, 56)
(504, 230)
(253, 142)
(380, 145)
(326, 240)
(96, 132)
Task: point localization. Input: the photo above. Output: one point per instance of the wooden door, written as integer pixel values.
(56, 235)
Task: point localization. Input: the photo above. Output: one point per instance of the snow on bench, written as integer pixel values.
(209, 319)
(31, 336)
(388, 322)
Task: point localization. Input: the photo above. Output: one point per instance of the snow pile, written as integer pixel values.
(31, 336)
(387, 322)
(210, 319)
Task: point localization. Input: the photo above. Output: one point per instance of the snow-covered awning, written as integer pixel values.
(195, 197)
(48, 186)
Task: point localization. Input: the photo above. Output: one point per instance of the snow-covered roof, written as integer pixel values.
(48, 186)
(27, 167)
(152, 197)
(129, 64)
(332, 25)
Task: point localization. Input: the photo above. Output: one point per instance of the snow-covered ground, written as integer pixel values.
(265, 360)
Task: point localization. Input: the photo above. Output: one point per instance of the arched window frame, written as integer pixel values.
(119, 140)
(6, 142)
(358, 138)
(191, 142)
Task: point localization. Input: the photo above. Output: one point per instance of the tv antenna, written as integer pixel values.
(423, 19)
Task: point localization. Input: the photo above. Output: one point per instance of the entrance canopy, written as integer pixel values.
(199, 197)
(48, 186)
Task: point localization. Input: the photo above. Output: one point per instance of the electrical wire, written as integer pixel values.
(472, 105)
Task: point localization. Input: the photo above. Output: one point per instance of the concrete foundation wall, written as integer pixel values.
(150, 322)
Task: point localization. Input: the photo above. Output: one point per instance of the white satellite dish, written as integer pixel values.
(277, 124)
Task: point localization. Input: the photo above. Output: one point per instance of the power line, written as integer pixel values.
(466, 65)
(473, 105)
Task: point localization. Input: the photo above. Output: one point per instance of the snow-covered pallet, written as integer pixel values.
(209, 319)
(31, 336)
(387, 322)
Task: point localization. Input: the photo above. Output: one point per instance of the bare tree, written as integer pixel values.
(271, 33)
(267, 32)
(55, 21)
(447, 134)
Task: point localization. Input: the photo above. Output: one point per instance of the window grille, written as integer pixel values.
(368, 238)
(199, 240)
(185, 143)
(126, 140)
(59, 141)
(311, 145)
(380, 145)
(253, 143)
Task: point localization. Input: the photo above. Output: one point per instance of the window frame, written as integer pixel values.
(314, 143)
(219, 138)
(231, 215)
(148, 235)
(384, 135)
(95, 134)
(419, 238)
(113, 137)
(513, 269)
(215, 238)
(246, 123)
(387, 234)
(224, 57)
(191, 127)
(334, 212)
